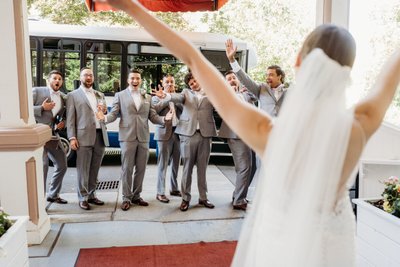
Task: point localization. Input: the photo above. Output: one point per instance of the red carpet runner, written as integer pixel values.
(217, 254)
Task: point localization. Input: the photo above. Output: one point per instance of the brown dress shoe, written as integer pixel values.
(176, 193)
(240, 207)
(206, 203)
(58, 200)
(162, 198)
(96, 201)
(125, 205)
(140, 202)
(184, 205)
(84, 205)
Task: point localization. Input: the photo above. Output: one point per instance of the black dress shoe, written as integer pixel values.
(206, 203)
(125, 205)
(96, 201)
(162, 198)
(84, 205)
(58, 200)
(176, 193)
(240, 207)
(140, 202)
(184, 205)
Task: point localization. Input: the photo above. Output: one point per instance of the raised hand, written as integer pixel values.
(159, 93)
(46, 105)
(230, 50)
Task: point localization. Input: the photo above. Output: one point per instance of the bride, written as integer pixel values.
(301, 214)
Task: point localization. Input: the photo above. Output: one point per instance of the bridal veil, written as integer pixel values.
(302, 167)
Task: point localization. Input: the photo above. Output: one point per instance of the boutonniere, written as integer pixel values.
(98, 95)
(143, 92)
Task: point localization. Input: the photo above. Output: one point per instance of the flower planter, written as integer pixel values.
(13, 244)
(378, 236)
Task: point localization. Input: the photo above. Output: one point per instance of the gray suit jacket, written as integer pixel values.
(224, 130)
(164, 132)
(194, 113)
(81, 121)
(45, 116)
(263, 92)
(133, 123)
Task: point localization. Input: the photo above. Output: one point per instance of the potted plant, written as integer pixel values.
(378, 227)
(13, 241)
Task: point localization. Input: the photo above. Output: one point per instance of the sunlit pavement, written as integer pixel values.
(159, 223)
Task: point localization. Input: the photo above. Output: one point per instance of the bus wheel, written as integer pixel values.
(71, 155)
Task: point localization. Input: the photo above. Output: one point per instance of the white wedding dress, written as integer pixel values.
(296, 218)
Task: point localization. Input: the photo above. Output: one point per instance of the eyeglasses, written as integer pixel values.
(87, 75)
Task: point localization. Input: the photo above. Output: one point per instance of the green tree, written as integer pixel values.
(75, 12)
(276, 29)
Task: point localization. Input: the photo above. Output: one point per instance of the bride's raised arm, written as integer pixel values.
(371, 110)
(251, 125)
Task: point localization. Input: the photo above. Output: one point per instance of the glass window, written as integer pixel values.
(133, 49)
(105, 60)
(33, 45)
(219, 59)
(71, 45)
(52, 44)
(153, 68)
(66, 62)
(376, 30)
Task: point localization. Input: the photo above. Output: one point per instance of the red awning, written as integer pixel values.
(166, 5)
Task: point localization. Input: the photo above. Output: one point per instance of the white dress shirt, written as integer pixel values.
(56, 98)
(136, 98)
(93, 103)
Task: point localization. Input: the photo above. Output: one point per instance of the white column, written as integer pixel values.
(333, 11)
(21, 140)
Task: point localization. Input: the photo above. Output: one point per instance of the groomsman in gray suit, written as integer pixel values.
(134, 107)
(196, 128)
(167, 141)
(49, 108)
(87, 135)
(241, 153)
(270, 94)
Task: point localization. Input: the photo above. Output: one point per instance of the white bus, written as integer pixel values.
(111, 52)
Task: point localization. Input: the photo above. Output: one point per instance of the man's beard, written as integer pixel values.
(88, 84)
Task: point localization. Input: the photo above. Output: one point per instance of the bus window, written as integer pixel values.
(219, 59)
(154, 66)
(62, 55)
(105, 60)
(33, 44)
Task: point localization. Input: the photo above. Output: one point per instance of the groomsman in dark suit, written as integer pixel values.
(241, 153)
(167, 141)
(133, 106)
(196, 128)
(49, 108)
(87, 135)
